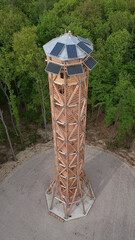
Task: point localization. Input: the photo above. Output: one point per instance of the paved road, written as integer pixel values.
(23, 209)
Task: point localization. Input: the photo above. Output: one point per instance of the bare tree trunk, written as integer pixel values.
(2, 119)
(114, 128)
(98, 113)
(11, 115)
(16, 87)
(0, 135)
(15, 130)
(44, 113)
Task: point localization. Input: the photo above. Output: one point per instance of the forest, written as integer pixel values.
(24, 93)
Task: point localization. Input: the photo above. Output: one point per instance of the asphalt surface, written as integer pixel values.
(23, 208)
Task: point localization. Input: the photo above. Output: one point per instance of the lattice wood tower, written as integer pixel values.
(68, 65)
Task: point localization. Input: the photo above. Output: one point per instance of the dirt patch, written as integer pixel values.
(23, 156)
(98, 136)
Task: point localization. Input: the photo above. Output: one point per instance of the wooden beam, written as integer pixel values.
(68, 184)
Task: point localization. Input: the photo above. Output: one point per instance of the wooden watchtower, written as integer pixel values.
(68, 65)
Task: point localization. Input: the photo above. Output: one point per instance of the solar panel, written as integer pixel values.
(57, 49)
(85, 40)
(90, 63)
(71, 51)
(84, 47)
(74, 70)
(53, 68)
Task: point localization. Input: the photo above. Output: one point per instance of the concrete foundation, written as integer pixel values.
(76, 211)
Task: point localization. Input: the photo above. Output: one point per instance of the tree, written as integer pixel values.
(54, 22)
(121, 107)
(114, 6)
(6, 78)
(12, 20)
(109, 24)
(4, 124)
(120, 20)
(4, 89)
(31, 8)
(29, 65)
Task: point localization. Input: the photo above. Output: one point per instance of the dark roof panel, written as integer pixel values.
(57, 49)
(84, 47)
(74, 70)
(90, 63)
(84, 40)
(53, 68)
(71, 51)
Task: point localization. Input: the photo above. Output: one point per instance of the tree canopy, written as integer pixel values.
(109, 24)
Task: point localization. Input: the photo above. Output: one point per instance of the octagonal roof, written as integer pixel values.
(68, 47)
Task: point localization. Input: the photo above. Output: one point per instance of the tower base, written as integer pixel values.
(77, 209)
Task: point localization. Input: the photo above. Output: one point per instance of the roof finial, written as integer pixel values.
(69, 32)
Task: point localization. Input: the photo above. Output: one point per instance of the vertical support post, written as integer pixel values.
(66, 139)
(78, 163)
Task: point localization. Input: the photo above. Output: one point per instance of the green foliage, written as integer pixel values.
(116, 48)
(6, 78)
(12, 20)
(54, 22)
(110, 24)
(121, 105)
(120, 20)
(31, 8)
(114, 6)
(14, 108)
(29, 65)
